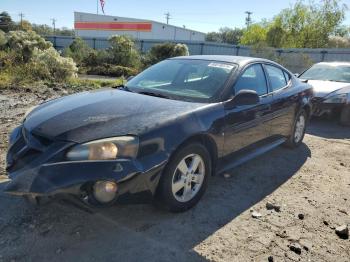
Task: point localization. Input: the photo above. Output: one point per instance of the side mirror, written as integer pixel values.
(296, 75)
(245, 98)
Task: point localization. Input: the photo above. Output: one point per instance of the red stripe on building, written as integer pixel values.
(113, 26)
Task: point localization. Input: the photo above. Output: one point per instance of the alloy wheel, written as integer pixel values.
(299, 128)
(188, 177)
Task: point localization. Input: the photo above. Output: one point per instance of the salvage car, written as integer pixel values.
(331, 83)
(161, 135)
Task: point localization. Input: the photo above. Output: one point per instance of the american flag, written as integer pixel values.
(103, 2)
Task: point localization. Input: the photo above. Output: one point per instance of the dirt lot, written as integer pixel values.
(312, 182)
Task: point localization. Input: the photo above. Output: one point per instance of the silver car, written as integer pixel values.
(331, 82)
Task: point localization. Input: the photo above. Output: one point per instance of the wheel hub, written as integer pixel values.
(188, 178)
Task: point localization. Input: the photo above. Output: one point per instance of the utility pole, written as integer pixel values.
(21, 15)
(96, 6)
(54, 25)
(167, 17)
(248, 20)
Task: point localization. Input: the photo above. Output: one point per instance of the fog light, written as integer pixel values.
(105, 191)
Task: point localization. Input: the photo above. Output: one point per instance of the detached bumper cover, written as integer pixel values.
(39, 171)
(67, 177)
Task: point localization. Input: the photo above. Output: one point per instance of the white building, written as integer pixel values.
(92, 25)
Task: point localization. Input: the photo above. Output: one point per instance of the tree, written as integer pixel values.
(254, 35)
(225, 35)
(213, 37)
(231, 36)
(310, 26)
(46, 30)
(275, 34)
(6, 23)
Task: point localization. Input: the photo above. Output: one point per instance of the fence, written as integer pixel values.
(296, 60)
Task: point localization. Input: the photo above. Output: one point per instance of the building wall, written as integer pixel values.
(92, 25)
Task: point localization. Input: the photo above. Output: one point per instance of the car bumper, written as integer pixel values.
(37, 169)
(320, 108)
(133, 178)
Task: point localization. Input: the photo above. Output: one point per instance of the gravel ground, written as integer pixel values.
(307, 191)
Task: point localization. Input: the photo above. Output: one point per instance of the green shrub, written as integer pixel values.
(112, 70)
(122, 52)
(163, 51)
(24, 43)
(3, 40)
(49, 65)
(78, 50)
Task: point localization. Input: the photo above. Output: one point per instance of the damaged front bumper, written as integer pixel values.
(38, 172)
(320, 108)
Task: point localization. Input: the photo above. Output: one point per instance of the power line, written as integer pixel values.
(167, 17)
(248, 20)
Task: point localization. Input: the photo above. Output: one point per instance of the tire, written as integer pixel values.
(179, 190)
(298, 133)
(345, 116)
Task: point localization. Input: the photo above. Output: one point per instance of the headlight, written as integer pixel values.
(338, 99)
(105, 149)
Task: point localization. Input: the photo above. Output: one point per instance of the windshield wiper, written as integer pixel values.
(153, 94)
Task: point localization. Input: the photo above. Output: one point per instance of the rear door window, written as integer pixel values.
(253, 78)
(276, 77)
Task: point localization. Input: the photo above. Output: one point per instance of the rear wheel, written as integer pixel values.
(299, 129)
(185, 178)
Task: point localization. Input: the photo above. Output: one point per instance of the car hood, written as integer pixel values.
(323, 88)
(93, 115)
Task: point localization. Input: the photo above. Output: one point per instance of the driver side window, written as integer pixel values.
(253, 78)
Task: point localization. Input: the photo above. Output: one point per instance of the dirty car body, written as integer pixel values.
(57, 148)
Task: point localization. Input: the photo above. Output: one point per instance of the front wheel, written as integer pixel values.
(185, 178)
(299, 129)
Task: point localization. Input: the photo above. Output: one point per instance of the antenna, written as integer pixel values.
(167, 17)
(248, 20)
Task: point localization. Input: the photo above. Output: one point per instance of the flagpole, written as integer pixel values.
(96, 6)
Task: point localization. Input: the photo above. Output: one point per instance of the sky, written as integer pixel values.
(200, 15)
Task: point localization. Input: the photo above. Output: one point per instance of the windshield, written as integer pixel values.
(183, 79)
(338, 73)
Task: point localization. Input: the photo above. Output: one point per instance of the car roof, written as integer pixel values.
(240, 60)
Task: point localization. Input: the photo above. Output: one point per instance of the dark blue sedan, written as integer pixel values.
(161, 135)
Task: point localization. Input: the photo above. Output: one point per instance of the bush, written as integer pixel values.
(111, 70)
(160, 52)
(122, 52)
(3, 40)
(49, 65)
(78, 50)
(24, 43)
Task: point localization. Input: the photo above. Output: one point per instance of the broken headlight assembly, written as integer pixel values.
(105, 149)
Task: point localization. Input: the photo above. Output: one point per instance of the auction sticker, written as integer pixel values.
(221, 65)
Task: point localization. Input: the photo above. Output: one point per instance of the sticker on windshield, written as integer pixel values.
(220, 65)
